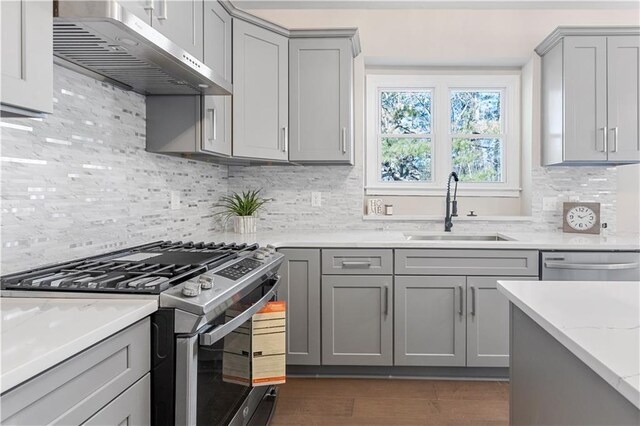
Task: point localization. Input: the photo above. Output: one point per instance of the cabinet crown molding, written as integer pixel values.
(564, 31)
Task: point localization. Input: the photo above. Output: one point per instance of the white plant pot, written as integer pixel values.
(244, 224)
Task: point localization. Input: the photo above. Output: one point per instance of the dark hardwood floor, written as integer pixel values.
(391, 402)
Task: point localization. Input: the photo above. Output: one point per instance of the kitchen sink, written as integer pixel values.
(458, 237)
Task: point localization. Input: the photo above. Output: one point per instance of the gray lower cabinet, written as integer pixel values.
(199, 125)
(181, 21)
(357, 320)
(320, 100)
(300, 288)
(27, 57)
(132, 407)
(74, 391)
(430, 320)
(488, 322)
(260, 93)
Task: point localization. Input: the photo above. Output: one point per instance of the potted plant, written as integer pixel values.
(242, 208)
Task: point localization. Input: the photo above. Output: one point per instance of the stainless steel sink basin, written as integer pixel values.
(458, 237)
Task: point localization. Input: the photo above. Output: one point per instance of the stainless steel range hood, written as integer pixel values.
(103, 37)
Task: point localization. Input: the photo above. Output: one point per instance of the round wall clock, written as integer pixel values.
(581, 218)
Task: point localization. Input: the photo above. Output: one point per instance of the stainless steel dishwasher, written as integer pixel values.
(590, 266)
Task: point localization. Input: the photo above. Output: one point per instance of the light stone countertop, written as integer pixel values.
(598, 321)
(397, 239)
(37, 334)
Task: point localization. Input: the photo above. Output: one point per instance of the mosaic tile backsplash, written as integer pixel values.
(80, 182)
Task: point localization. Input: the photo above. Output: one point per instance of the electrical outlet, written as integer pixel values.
(549, 204)
(316, 199)
(175, 200)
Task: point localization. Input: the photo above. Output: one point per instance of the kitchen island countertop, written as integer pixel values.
(39, 333)
(598, 321)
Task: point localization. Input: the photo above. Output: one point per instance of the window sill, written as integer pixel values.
(435, 218)
(441, 192)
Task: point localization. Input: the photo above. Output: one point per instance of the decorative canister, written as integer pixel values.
(244, 224)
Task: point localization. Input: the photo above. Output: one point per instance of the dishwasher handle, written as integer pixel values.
(591, 266)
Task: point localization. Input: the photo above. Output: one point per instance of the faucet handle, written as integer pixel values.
(454, 208)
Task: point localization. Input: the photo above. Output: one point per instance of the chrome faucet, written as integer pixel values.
(452, 206)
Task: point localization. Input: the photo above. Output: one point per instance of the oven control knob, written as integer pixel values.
(206, 282)
(191, 289)
(265, 251)
(271, 249)
(259, 255)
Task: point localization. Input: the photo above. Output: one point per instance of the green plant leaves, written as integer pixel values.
(246, 203)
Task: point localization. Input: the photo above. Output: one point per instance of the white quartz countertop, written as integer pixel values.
(37, 334)
(398, 239)
(599, 322)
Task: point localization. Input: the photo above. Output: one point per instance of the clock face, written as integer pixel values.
(581, 218)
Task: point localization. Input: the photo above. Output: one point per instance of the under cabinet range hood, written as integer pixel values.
(103, 37)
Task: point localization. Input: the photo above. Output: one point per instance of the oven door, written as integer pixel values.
(213, 367)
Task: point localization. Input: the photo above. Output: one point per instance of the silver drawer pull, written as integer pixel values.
(212, 336)
(356, 265)
(473, 300)
(591, 266)
(461, 308)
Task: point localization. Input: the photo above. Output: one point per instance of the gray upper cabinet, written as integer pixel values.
(320, 100)
(260, 93)
(199, 125)
(430, 321)
(143, 9)
(27, 57)
(488, 322)
(181, 21)
(300, 288)
(590, 95)
(623, 76)
(357, 320)
(217, 38)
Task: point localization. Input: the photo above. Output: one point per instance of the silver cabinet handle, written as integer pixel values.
(285, 147)
(386, 300)
(213, 336)
(615, 139)
(343, 139)
(591, 266)
(356, 265)
(460, 310)
(473, 300)
(605, 141)
(163, 16)
(213, 134)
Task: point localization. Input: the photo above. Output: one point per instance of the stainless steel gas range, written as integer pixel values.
(197, 285)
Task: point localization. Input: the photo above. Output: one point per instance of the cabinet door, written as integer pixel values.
(132, 407)
(181, 21)
(300, 288)
(260, 93)
(141, 8)
(357, 316)
(429, 322)
(320, 93)
(217, 38)
(623, 56)
(216, 122)
(585, 94)
(26, 55)
(488, 322)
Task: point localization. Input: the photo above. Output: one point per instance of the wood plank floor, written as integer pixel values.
(391, 402)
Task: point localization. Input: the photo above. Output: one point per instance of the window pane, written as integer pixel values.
(405, 113)
(477, 160)
(405, 159)
(475, 112)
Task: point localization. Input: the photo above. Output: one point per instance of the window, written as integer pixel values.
(420, 128)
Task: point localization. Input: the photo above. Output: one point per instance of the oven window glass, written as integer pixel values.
(224, 368)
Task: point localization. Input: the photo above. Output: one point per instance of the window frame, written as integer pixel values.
(441, 161)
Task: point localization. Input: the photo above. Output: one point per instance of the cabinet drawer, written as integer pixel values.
(133, 407)
(466, 262)
(357, 262)
(74, 390)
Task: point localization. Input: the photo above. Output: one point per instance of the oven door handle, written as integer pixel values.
(217, 333)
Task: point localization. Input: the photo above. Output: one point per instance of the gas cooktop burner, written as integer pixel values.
(147, 269)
